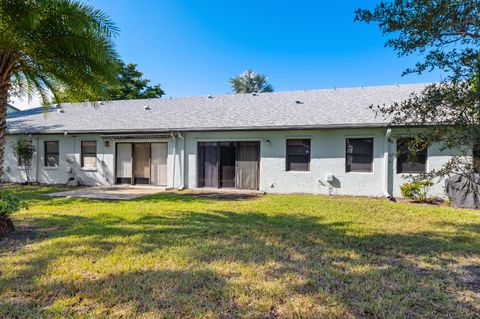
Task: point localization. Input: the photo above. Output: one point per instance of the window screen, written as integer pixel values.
(52, 153)
(89, 154)
(359, 155)
(298, 155)
(408, 162)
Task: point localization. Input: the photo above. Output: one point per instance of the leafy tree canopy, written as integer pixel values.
(250, 82)
(48, 46)
(446, 34)
(130, 85)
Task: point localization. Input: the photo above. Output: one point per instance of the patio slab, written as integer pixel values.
(110, 193)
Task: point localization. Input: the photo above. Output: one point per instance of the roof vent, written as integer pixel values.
(59, 110)
(210, 96)
(298, 102)
(146, 107)
(101, 103)
(254, 94)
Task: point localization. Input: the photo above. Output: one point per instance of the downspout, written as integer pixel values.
(182, 162)
(37, 154)
(386, 154)
(174, 155)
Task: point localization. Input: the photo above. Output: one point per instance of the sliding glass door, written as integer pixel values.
(248, 168)
(229, 165)
(141, 163)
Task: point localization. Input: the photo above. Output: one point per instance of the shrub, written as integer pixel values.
(9, 203)
(417, 190)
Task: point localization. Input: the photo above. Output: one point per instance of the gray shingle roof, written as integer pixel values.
(328, 108)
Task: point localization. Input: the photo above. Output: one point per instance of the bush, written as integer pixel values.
(9, 203)
(417, 190)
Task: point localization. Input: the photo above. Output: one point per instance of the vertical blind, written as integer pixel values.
(359, 155)
(88, 154)
(52, 156)
(298, 155)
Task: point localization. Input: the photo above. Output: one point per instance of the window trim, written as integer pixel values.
(309, 154)
(397, 162)
(45, 154)
(82, 164)
(360, 137)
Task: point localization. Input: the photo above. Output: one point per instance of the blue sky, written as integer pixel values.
(193, 47)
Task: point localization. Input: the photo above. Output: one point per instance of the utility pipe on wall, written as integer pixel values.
(386, 154)
(37, 155)
(174, 155)
(182, 162)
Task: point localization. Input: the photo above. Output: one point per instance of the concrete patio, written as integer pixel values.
(110, 192)
(127, 192)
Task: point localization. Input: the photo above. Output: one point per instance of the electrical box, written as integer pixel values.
(329, 178)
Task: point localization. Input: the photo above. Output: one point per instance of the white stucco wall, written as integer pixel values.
(70, 146)
(327, 157)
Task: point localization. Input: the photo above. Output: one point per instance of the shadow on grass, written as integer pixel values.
(377, 275)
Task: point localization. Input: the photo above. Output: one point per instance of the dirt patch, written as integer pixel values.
(469, 276)
(18, 238)
(223, 195)
(6, 226)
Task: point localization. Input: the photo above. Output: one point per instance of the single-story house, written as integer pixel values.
(325, 141)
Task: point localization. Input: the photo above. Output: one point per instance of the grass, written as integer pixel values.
(173, 255)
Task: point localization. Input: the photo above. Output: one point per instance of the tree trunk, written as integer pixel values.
(3, 124)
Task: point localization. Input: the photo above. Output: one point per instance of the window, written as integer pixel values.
(51, 153)
(359, 155)
(298, 155)
(89, 154)
(476, 158)
(408, 162)
(21, 161)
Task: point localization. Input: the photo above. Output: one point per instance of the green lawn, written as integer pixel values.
(174, 255)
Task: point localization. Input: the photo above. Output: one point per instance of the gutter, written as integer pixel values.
(386, 154)
(207, 129)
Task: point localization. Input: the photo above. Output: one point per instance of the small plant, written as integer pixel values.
(9, 203)
(24, 150)
(417, 190)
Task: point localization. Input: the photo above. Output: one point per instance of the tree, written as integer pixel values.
(446, 34)
(130, 85)
(24, 151)
(133, 86)
(48, 46)
(250, 82)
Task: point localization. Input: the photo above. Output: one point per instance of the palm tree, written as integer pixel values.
(48, 46)
(250, 82)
